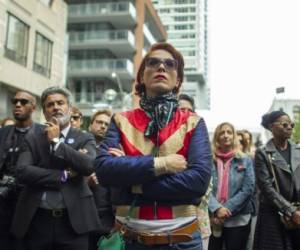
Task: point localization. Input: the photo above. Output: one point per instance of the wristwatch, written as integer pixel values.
(55, 140)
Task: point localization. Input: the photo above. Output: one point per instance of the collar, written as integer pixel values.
(22, 130)
(65, 131)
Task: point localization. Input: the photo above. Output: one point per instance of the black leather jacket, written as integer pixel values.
(288, 178)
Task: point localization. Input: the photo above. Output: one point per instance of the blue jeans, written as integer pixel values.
(194, 244)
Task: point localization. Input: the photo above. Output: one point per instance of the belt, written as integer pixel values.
(55, 213)
(181, 234)
(157, 212)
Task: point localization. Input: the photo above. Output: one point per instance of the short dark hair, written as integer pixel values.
(269, 118)
(33, 99)
(56, 90)
(187, 98)
(100, 112)
(140, 87)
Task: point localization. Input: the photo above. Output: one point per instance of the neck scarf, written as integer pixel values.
(160, 109)
(223, 167)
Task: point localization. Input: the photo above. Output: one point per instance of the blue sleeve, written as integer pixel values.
(237, 202)
(191, 183)
(124, 170)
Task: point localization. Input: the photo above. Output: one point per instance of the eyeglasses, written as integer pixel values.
(23, 102)
(75, 117)
(286, 124)
(154, 62)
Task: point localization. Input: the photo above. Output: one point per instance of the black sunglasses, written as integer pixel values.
(75, 117)
(23, 101)
(154, 62)
(286, 124)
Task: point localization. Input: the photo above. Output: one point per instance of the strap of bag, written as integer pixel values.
(271, 167)
(130, 211)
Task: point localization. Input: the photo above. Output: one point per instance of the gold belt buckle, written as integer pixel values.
(140, 239)
(57, 213)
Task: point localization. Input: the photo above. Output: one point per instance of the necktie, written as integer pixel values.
(54, 199)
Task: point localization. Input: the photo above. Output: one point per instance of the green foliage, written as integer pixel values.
(296, 133)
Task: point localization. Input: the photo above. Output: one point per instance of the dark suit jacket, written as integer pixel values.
(6, 134)
(40, 170)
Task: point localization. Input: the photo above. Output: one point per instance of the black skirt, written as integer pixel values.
(270, 234)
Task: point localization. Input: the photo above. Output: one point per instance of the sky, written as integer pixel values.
(254, 47)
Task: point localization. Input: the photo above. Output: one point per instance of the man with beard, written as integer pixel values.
(11, 138)
(99, 124)
(56, 210)
(98, 127)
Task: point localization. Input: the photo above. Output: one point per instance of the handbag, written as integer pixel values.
(115, 241)
(286, 221)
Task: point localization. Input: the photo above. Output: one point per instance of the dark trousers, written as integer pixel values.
(234, 238)
(7, 240)
(53, 233)
(295, 238)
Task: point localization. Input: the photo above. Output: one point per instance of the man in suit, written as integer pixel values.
(56, 210)
(11, 137)
(98, 127)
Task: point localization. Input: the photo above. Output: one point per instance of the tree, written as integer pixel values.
(296, 133)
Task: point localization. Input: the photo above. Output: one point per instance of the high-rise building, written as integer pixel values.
(32, 48)
(107, 40)
(186, 25)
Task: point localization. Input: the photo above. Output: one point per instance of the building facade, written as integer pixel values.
(186, 25)
(107, 40)
(32, 48)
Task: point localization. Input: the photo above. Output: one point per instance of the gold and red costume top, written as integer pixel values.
(185, 134)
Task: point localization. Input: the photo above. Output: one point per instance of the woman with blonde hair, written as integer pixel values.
(231, 202)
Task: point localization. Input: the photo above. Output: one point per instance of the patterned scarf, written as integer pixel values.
(223, 168)
(160, 109)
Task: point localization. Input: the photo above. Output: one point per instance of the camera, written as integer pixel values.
(7, 186)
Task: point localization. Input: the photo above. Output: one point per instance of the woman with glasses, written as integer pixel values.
(277, 167)
(231, 202)
(166, 166)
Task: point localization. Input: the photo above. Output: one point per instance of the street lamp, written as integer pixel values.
(115, 75)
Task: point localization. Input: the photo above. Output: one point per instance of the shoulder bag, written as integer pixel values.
(286, 221)
(115, 241)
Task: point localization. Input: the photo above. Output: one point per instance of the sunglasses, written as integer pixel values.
(286, 124)
(154, 62)
(23, 102)
(75, 117)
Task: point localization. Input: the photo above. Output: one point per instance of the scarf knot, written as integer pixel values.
(160, 109)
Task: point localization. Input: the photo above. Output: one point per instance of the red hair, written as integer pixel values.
(140, 87)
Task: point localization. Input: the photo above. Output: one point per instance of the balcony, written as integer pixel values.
(88, 99)
(120, 42)
(120, 15)
(101, 68)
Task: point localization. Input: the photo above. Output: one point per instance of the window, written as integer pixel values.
(17, 35)
(42, 55)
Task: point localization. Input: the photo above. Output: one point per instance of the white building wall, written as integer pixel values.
(48, 21)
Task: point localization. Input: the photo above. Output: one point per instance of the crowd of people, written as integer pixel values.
(150, 173)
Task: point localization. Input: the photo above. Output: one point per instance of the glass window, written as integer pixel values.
(16, 46)
(42, 55)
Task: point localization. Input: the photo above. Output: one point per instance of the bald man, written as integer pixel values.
(11, 140)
